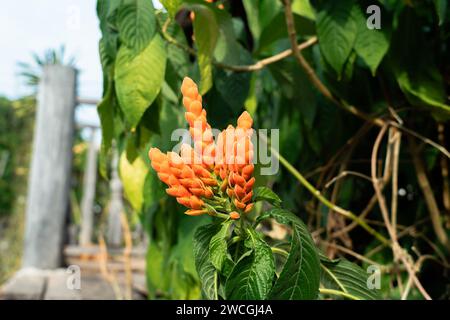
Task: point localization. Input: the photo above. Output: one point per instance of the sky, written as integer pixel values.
(28, 26)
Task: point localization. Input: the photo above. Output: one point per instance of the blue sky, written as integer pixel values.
(34, 26)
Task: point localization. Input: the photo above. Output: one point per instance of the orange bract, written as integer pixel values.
(198, 174)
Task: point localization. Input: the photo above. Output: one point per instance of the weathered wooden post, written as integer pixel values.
(115, 205)
(87, 202)
(49, 180)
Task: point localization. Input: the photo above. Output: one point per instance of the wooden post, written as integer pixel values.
(49, 179)
(89, 182)
(115, 205)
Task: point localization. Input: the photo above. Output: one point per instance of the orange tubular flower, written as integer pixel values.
(199, 127)
(199, 178)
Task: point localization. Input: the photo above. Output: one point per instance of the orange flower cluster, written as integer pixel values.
(234, 164)
(199, 178)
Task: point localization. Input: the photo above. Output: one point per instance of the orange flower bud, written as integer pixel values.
(208, 193)
(239, 192)
(234, 215)
(239, 204)
(249, 185)
(209, 181)
(187, 172)
(184, 201)
(248, 208)
(199, 192)
(196, 108)
(248, 197)
(164, 177)
(245, 121)
(196, 203)
(239, 180)
(196, 212)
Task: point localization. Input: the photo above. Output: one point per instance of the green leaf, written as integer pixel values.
(133, 175)
(218, 249)
(153, 189)
(137, 24)
(370, 44)
(206, 31)
(139, 78)
(205, 269)
(300, 277)
(425, 89)
(233, 87)
(251, 277)
(336, 30)
(303, 8)
(266, 194)
(171, 6)
(347, 277)
(259, 14)
(106, 111)
(441, 9)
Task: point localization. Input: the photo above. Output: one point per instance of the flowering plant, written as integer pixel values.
(234, 260)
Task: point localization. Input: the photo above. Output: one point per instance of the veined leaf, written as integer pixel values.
(370, 44)
(336, 30)
(137, 24)
(266, 194)
(251, 277)
(139, 78)
(347, 277)
(207, 272)
(300, 277)
(218, 246)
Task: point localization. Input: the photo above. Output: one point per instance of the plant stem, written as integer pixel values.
(280, 251)
(316, 193)
(338, 293)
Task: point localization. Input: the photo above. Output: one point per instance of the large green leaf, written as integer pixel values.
(252, 276)
(137, 24)
(370, 44)
(300, 277)
(227, 50)
(138, 79)
(259, 14)
(266, 194)
(336, 30)
(206, 271)
(206, 31)
(218, 249)
(348, 278)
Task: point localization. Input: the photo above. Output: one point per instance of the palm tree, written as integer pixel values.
(32, 72)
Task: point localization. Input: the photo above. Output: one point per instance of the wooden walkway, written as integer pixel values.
(90, 274)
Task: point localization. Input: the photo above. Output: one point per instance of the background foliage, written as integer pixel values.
(329, 116)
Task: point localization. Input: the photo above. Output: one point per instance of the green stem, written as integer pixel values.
(280, 251)
(234, 240)
(316, 193)
(338, 293)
